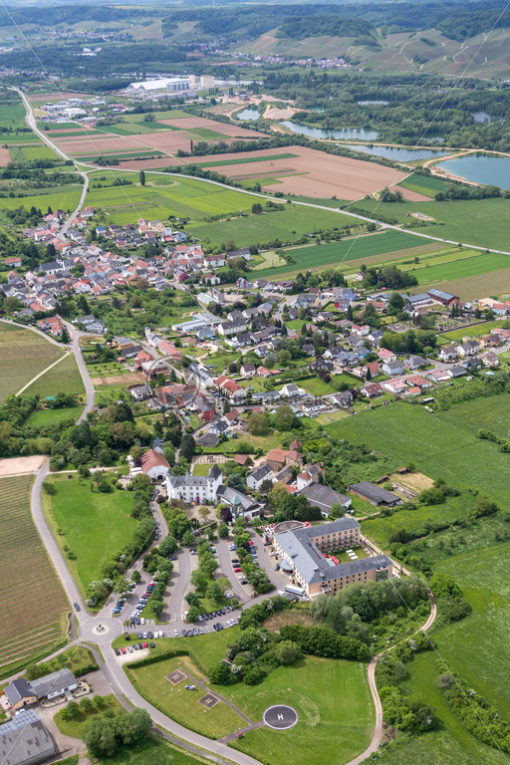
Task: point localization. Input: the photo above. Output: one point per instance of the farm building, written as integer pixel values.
(374, 494)
(322, 496)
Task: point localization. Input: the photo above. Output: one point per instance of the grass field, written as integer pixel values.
(428, 185)
(57, 197)
(484, 222)
(182, 197)
(467, 264)
(335, 253)
(32, 600)
(24, 354)
(150, 752)
(44, 417)
(80, 513)
(445, 445)
(286, 225)
(63, 378)
(441, 444)
(331, 697)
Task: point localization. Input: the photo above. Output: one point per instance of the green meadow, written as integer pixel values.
(483, 222)
(79, 512)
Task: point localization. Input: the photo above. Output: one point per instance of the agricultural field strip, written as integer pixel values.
(36, 606)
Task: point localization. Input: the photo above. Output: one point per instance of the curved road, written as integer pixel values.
(113, 627)
(31, 122)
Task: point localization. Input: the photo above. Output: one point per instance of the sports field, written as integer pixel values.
(335, 253)
(24, 354)
(32, 601)
(79, 513)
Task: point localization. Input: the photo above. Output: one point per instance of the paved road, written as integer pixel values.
(30, 120)
(75, 336)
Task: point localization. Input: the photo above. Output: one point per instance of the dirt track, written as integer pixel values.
(21, 465)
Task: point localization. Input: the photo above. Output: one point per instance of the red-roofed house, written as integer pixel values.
(154, 465)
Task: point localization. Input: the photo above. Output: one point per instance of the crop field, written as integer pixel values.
(32, 600)
(184, 197)
(24, 354)
(335, 253)
(428, 185)
(167, 133)
(79, 513)
(310, 172)
(483, 222)
(28, 153)
(64, 377)
(467, 263)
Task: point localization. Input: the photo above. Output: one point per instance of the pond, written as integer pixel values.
(490, 171)
(400, 154)
(248, 114)
(483, 116)
(361, 134)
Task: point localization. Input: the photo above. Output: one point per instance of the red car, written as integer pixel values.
(237, 569)
(123, 650)
(145, 645)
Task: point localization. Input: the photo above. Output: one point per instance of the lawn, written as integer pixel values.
(81, 514)
(44, 417)
(182, 197)
(334, 706)
(316, 386)
(182, 705)
(63, 378)
(331, 697)
(335, 253)
(473, 331)
(31, 596)
(24, 354)
(150, 752)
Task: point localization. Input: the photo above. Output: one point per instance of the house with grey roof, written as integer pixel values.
(258, 475)
(322, 496)
(194, 488)
(24, 740)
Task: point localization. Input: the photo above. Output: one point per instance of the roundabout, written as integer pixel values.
(280, 717)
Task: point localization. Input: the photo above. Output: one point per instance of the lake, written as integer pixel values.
(248, 114)
(490, 171)
(399, 154)
(361, 134)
